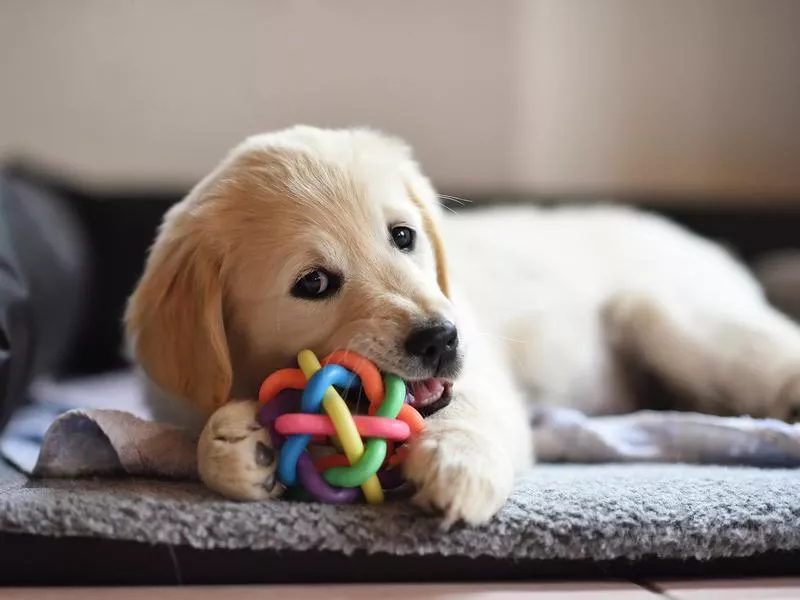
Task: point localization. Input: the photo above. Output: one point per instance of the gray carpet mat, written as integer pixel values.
(556, 512)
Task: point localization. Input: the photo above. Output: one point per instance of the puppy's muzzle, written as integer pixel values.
(434, 345)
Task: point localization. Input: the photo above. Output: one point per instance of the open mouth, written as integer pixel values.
(429, 395)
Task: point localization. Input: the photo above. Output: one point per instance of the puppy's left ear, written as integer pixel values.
(174, 318)
(425, 198)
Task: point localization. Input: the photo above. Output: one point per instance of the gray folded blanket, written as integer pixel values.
(102, 441)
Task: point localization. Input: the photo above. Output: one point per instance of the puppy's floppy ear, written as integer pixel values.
(425, 198)
(175, 317)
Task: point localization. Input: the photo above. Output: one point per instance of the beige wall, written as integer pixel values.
(671, 95)
(157, 90)
(697, 96)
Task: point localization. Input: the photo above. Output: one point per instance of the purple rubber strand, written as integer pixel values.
(391, 478)
(287, 401)
(313, 482)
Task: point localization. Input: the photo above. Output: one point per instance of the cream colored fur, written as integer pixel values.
(551, 306)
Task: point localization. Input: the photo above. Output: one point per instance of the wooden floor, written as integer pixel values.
(771, 589)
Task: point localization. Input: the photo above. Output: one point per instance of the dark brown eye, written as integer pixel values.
(317, 285)
(403, 237)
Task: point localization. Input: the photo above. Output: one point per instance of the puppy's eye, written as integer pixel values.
(317, 285)
(403, 237)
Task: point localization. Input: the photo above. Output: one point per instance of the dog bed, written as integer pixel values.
(561, 518)
(590, 515)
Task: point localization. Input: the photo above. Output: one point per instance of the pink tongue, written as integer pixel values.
(427, 391)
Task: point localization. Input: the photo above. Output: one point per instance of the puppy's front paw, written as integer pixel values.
(459, 471)
(234, 454)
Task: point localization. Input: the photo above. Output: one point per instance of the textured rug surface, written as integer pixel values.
(556, 512)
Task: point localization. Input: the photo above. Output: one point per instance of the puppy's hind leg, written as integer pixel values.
(724, 360)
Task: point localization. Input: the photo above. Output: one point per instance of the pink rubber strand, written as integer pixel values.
(368, 427)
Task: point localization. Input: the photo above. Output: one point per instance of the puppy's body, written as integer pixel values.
(550, 306)
(548, 283)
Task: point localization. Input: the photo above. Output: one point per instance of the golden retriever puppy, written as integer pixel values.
(328, 239)
(322, 240)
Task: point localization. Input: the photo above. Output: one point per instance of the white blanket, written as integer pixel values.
(111, 435)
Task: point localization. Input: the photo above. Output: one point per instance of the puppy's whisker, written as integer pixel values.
(358, 400)
(458, 199)
(444, 206)
(500, 337)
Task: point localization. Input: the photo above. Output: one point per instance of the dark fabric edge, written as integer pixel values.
(40, 561)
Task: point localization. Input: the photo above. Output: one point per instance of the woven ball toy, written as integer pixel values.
(320, 417)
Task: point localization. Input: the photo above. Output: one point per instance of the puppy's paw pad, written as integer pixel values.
(459, 473)
(235, 457)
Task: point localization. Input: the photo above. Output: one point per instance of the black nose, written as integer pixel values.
(435, 345)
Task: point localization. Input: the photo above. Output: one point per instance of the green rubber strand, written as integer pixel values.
(374, 448)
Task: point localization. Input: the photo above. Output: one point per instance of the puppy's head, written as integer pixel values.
(304, 238)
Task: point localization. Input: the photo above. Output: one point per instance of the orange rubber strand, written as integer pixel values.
(279, 381)
(368, 373)
(410, 415)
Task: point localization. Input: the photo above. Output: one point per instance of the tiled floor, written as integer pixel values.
(770, 589)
